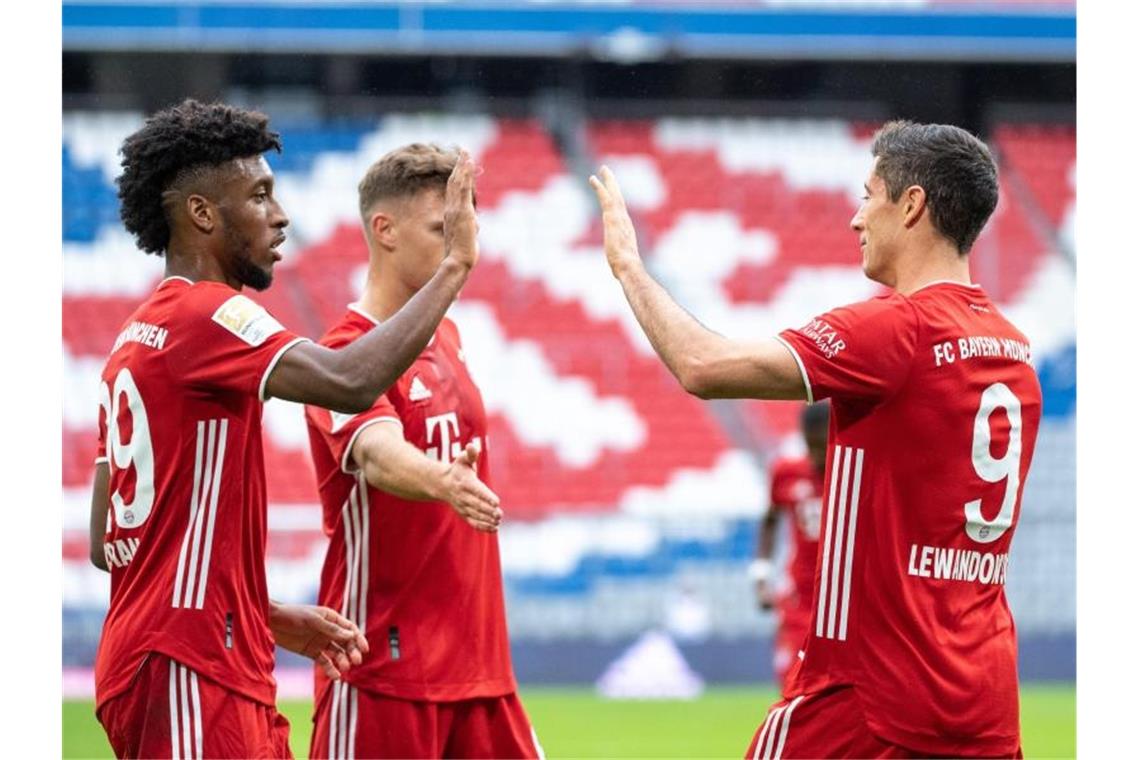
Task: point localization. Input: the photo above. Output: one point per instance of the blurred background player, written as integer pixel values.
(935, 408)
(797, 487)
(413, 557)
(185, 662)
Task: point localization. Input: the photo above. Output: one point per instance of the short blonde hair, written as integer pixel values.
(406, 171)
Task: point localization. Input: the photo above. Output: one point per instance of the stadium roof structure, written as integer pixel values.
(620, 32)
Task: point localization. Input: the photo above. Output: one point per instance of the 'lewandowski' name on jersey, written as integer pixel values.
(980, 346)
(141, 332)
(943, 563)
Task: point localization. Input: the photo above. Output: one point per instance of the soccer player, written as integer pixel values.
(413, 554)
(797, 485)
(934, 415)
(185, 663)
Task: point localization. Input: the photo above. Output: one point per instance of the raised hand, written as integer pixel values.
(323, 635)
(460, 227)
(469, 496)
(620, 237)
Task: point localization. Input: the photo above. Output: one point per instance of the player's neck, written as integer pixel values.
(196, 266)
(382, 297)
(938, 263)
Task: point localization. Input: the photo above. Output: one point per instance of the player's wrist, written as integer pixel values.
(440, 486)
(759, 570)
(627, 265)
(454, 266)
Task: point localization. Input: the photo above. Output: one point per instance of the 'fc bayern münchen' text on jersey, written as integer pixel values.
(796, 489)
(424, 585)
(180, 429)
(934, 416)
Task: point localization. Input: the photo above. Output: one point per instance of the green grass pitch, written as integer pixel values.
(574, 722)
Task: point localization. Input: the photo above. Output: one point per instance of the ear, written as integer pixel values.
(914, 204)
(202, 213)
(381, 230)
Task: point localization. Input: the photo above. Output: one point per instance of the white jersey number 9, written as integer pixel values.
(1008, 468)
(138, 451)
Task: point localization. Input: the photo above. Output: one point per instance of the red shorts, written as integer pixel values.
(825, 724)
(351, 723)
(171, 711)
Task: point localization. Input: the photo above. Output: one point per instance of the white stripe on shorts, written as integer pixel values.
(784, 728)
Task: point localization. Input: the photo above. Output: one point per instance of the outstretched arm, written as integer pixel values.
(705, 363)
(391, 464)
(100, 503)
(350, 379)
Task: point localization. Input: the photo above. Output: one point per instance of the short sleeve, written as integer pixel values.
(340, 431)
(862, 351)
(232, 343)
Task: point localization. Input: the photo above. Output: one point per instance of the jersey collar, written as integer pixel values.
(355, 308)
(974, 285)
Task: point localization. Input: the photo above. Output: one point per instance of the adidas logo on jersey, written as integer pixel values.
(418, 391)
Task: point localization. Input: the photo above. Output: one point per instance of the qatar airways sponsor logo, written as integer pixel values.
(120, 552)
(947, 564)
(825, 336)
(980, 346)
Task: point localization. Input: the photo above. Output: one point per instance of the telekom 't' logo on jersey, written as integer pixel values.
(447, 427)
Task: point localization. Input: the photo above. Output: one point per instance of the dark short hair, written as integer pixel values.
(815, 416)
(955, 169)
(172, 146)
(406, 171)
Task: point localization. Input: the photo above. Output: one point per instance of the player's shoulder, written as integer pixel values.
(207, 300)
(889, 313)
(973, 304)
(207, 306)
(789, 467)
(448, 331)
(884, 306)
(350, 326)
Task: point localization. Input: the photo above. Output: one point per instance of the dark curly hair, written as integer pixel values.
(175, 145)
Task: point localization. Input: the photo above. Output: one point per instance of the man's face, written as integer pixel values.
(878, 222)
(253, 223)
(417, 229)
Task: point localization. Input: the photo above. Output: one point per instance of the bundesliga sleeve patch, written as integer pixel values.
(247, 320)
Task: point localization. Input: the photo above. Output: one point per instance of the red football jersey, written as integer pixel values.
(796, 488)
(934, 417)
(180, 427)
(424, 585)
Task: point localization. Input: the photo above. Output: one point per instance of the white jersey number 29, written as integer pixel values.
(991, 470)
(138, 451)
